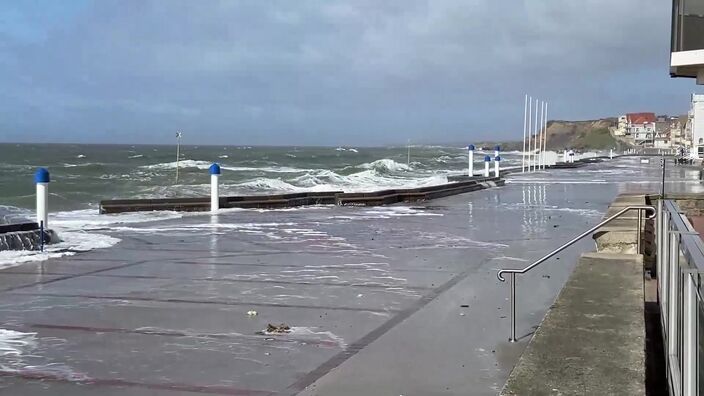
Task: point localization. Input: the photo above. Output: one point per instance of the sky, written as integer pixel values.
(325, 72)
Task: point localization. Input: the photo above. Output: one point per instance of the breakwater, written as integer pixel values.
(382, 197)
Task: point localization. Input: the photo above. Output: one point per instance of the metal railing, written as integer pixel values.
(680, 270)
(513, 272)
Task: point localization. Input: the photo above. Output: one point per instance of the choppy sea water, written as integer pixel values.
(82, 175)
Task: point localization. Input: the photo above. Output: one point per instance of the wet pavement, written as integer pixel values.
(398, 300)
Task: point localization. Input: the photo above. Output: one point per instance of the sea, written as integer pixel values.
(82, 175)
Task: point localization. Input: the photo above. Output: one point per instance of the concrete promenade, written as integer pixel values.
(399, 300)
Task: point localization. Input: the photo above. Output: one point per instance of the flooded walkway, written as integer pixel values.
(398, 300)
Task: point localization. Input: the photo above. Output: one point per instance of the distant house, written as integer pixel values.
(641, 127)
(676, 132)
(621, 128)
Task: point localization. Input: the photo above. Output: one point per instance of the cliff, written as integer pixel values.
(592, 134)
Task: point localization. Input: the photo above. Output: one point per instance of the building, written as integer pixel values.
(697, 126)
(622, 126)
(641, 128)
(677, 132)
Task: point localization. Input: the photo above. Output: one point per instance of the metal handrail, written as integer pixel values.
(514, 271)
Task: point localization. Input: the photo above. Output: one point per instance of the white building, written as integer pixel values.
(622, 128)
(641, 128)
(698, 125)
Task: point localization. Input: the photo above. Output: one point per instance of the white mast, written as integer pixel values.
(408, 158)
(530, 123)
(525, 117)
(540, 131)
(545, 138)
(178, 152)
(535, 140)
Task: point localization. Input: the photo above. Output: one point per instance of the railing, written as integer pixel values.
(513, 272)
(680, 266)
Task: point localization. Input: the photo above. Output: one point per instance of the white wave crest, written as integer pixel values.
(385, 165)
(181, 164)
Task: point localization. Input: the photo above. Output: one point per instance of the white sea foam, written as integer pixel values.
(181, 164)
(136, 156)
(71, 243)
(90, 219)
(398, 211)
(16, 343)
(385, 165)
(77, 230)
(204, 165)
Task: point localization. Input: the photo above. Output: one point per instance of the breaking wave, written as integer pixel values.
(385, 165)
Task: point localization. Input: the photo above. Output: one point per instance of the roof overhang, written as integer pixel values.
(688, 64)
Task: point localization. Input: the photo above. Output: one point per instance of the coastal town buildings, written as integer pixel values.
(641, 128)
(645, 129)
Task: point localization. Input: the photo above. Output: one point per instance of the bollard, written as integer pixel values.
(497, 149)
(470, 160)
(497, 160)
(214, 187)
(611, 154)
(487, 159)
(571, 156)
(41, 178)
(564, 155)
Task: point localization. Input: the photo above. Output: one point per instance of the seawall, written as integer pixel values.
(24, 236)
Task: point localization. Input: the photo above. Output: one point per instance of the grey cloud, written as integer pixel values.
(334, 72)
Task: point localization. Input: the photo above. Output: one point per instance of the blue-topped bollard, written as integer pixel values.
(487, 160)
(214, 171)
(41, 178)
(470, 163)
(497, 160)
(497, 150)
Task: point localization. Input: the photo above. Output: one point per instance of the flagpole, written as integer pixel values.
(535, 140)
(530, 116)
(525, 115)
(540, 142)
(178, 152)
(545, 138)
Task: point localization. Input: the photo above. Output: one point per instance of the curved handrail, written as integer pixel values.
(575, 239)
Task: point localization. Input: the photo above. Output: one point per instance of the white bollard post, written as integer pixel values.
(41, 178)
(497, 160)
(214, 187)
(571, 156)
(497, 149)
(470, 160)
(564, 155)
(611, 154)
(487, 159)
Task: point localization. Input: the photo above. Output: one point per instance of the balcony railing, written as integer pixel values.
(680, 270)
